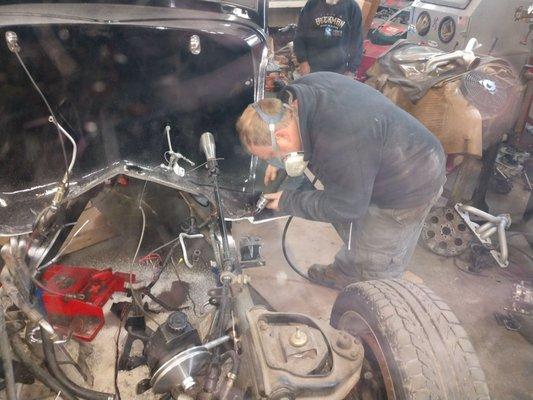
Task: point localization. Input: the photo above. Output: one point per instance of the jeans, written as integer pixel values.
(382, 243)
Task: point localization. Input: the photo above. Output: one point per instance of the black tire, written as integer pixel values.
(419, 346)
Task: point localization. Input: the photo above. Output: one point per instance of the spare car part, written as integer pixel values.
(171, 338)
(521, 309)
(465, 57)
(493, 225)
(250, 251)
(445, 233)
(181, 369)
(421, 79)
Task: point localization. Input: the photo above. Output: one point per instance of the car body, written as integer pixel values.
(116, 75)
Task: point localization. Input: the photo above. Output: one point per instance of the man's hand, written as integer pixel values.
(273, 198)
(270, 174)
(304, 68)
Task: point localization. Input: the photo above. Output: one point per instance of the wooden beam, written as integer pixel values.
(369, 9)
(96, 230)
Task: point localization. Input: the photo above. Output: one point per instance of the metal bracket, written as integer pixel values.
(250, 251)
(494, 224)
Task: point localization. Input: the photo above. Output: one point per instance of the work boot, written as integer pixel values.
(330, 276)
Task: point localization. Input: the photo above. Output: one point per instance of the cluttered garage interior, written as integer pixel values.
(266, 199)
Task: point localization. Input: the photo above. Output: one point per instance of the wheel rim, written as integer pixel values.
(356, 325)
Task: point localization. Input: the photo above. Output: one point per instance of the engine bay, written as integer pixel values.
(190, 325)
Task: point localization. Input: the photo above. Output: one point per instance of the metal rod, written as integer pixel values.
(503, 240)
(217, 342)
(485, 227)
(482, 214)
(225, 243)
(488, 233)
(7, 359)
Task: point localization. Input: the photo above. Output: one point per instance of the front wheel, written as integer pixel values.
(415, 347)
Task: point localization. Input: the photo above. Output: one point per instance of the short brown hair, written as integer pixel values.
(253, 130)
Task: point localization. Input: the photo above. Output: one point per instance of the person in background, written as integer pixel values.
(329, 37)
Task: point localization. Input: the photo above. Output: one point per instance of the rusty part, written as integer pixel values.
(355, 324)
(346, 345)
(325, 365)
(445, 233)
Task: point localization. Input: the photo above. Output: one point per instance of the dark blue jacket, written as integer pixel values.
(363, 148)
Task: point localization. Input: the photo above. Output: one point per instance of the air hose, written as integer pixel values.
(284, 246)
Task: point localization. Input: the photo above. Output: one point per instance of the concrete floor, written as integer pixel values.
(506, 357)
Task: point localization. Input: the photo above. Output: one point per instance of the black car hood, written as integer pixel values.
(114, 86)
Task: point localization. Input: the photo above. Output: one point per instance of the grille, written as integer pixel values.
(487, 92)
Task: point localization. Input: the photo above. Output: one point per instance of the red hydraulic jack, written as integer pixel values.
(77, 296)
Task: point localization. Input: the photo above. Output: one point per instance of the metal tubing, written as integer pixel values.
(464, 57)
(482, 214)
(7, 359)
(503, 241)
(184, 249)
(224, 232)
(217, 342)
(483, 228)
(13, 293)
(487, 234)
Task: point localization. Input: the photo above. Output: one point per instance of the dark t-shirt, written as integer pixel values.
(363, 148)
